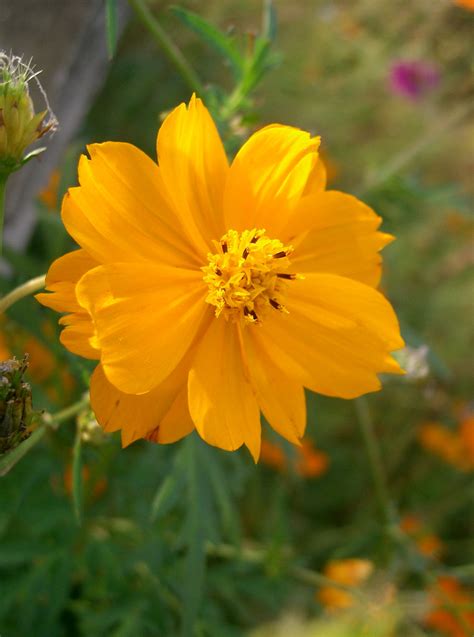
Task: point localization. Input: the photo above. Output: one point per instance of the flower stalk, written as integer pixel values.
(375, 461)
(173, 53)
(25, 289)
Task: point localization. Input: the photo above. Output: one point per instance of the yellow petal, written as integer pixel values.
(337, 336)
(145, 316)
(317, 179)
(151, 415)
(120, 211)
(176, 423)
(61, 281)
(78, 335)
(221, 400)
(194, 167)
(267, 177)
(336, 233)
(280, 398)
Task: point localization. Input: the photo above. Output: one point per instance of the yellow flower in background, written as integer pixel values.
(209, 292)
(349, 572)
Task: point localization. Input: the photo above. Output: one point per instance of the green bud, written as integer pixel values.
(16, 412)
(89, 428)
(20, 126)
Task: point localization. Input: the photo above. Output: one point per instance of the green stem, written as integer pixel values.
(31, 286)
(173, 53)
(9, 460)
(3, 187)
(375, 461)
(257, 555)
(56, 419)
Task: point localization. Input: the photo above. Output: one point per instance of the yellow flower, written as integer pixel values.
(212, 292)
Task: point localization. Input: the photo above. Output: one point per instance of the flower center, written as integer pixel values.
(246, 275)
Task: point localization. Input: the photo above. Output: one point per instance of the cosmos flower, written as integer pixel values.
(413, 79)
(209, 292)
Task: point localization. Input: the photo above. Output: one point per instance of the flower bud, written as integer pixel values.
(20, 126)
(16, 411)
(89, 428)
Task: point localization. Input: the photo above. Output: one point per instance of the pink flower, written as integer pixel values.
(413, 79)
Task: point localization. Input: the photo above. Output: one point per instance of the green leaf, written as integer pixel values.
(269, 20)
(77, 486)
(111, 26)
(166, 496)
(219, 41)
(195, 558)
(221, 490)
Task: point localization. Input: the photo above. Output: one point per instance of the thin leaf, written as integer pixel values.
(221, 490)
(111, 26)
(166, 496)
(195, 558)
(219, 41)
(269, 21)
(77, 486)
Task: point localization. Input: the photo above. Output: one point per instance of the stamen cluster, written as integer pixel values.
(246, 276)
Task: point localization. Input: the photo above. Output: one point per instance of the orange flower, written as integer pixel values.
(455, 447)
(49, 195)
(273, 455)
(5, 353)
(209, 293)
(98, 487)
(427, 543)
(349, 572)
(466, 4)
(310, 462)
(451, 610)
(466, 430)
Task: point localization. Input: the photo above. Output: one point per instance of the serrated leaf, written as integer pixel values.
(210, 34)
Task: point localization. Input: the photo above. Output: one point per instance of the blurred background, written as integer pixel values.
(188, 540)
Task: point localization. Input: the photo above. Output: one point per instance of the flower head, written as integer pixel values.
(209, 292)
(349, 572)
(451, 607)
(413, 79)
(20, 126)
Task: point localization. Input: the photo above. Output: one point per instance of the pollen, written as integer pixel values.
(247, 276)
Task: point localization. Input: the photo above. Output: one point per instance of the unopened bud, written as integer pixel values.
(16, 412)
(89, 428)
(20, 125)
